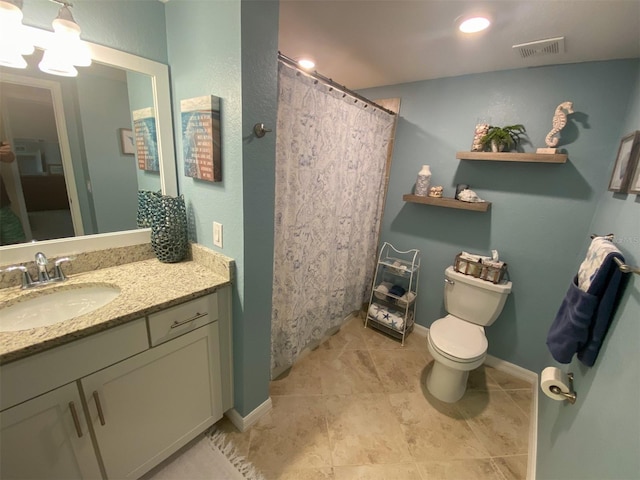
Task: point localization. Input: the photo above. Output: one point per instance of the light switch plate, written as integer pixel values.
(217, 234)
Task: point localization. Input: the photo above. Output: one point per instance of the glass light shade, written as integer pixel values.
(10, 57)
(14, 41)
(57, 63)
(66, 49)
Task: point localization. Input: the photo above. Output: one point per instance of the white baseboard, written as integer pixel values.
(244, 423)
(523, 374)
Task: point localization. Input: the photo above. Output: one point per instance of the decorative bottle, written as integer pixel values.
(423, 182)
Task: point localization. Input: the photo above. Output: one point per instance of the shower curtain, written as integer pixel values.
(331, 155)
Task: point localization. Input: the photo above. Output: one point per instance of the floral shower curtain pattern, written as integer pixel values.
(330, 166)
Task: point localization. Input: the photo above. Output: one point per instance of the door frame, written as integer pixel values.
(63, 140)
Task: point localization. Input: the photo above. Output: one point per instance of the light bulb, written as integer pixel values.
(475, 24)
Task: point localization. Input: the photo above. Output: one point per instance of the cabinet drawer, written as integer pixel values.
(39, 373)
(175, 321)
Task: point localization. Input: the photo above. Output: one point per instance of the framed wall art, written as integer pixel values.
(127, 142)
(626, 162)
(201, 138)
(144, 127)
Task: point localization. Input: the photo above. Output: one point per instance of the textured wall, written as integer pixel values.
(599, 436)
(205, 40)
(540, 215)
(131, 26)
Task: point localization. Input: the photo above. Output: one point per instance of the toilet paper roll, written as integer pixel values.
(552, 376)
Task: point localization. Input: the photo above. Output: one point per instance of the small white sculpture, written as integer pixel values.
(559, 122)
(468, 195)
(436, 191)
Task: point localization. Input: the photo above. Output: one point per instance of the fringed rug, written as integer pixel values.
(213, 457)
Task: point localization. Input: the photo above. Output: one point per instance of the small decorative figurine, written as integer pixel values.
(481, 130)
(436, 191)
(559, 122)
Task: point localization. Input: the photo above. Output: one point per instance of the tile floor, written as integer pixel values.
(357, 408)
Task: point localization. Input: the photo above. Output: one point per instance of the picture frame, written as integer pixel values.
(127, 142)
(626, 162)
(634, 184)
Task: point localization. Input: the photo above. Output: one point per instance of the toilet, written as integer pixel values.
(457, 342)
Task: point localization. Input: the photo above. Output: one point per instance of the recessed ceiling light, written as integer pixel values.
(475, 24)
(306, 63)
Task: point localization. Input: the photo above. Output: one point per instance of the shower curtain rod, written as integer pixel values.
(290, 61)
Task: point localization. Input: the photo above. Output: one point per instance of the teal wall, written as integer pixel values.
(136, 27)
(219, 48)
(540, 214)
(102, 117)
(599, 436)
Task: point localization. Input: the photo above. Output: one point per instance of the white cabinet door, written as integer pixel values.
(145, 408)
(41, 438)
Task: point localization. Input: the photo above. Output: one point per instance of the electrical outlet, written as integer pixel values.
(217, 234)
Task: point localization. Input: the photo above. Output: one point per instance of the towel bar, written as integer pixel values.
(624, 268)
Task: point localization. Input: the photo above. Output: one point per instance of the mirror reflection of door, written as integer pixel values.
(39, 193)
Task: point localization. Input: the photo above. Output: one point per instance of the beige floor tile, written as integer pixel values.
(402, 471)
(301, 474)
(399, 370)
(362, 430)
(293, 435)
(434, 430)
(345, 372)
(497, 421)
(377, 340)
(524, 400)
(480, 380)
(506, 381)
(304, 378)
(350, 337)
(512, 468)
(464, 469)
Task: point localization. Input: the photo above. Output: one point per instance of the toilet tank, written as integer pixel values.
(472, 299)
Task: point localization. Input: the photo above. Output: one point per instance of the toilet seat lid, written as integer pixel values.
(458, 338)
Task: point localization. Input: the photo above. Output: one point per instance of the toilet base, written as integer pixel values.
(447, 384)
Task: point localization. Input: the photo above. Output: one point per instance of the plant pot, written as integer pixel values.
(497, 146)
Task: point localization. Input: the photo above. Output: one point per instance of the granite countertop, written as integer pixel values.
(146, 287)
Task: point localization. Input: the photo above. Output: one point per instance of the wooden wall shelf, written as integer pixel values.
(447, 202)
(513, 157)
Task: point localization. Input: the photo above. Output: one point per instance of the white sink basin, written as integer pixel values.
(55, 307)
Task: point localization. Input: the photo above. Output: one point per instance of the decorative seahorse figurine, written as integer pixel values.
(559, 122)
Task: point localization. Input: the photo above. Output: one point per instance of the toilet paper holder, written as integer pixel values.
(569, 396)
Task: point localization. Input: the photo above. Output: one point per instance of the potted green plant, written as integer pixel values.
(503, 138)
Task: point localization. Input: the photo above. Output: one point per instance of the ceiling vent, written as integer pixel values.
(550, 46)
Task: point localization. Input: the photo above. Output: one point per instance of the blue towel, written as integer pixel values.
(584, 317)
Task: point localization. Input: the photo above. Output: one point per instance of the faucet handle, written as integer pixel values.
(26, 278)
(59, 274)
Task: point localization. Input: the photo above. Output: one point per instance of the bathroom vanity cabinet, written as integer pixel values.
(116, 403)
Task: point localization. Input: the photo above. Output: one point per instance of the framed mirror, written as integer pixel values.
(90, 173)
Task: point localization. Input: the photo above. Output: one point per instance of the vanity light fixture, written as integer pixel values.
(306, 63)
(474, 24)
(14, 41)
(66, 50)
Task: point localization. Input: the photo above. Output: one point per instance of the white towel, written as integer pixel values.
(598, 250)
(381, 290)
(387, 316)
(406, 298)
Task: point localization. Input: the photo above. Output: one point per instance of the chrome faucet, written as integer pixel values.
(44, 278)
(41, 263)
